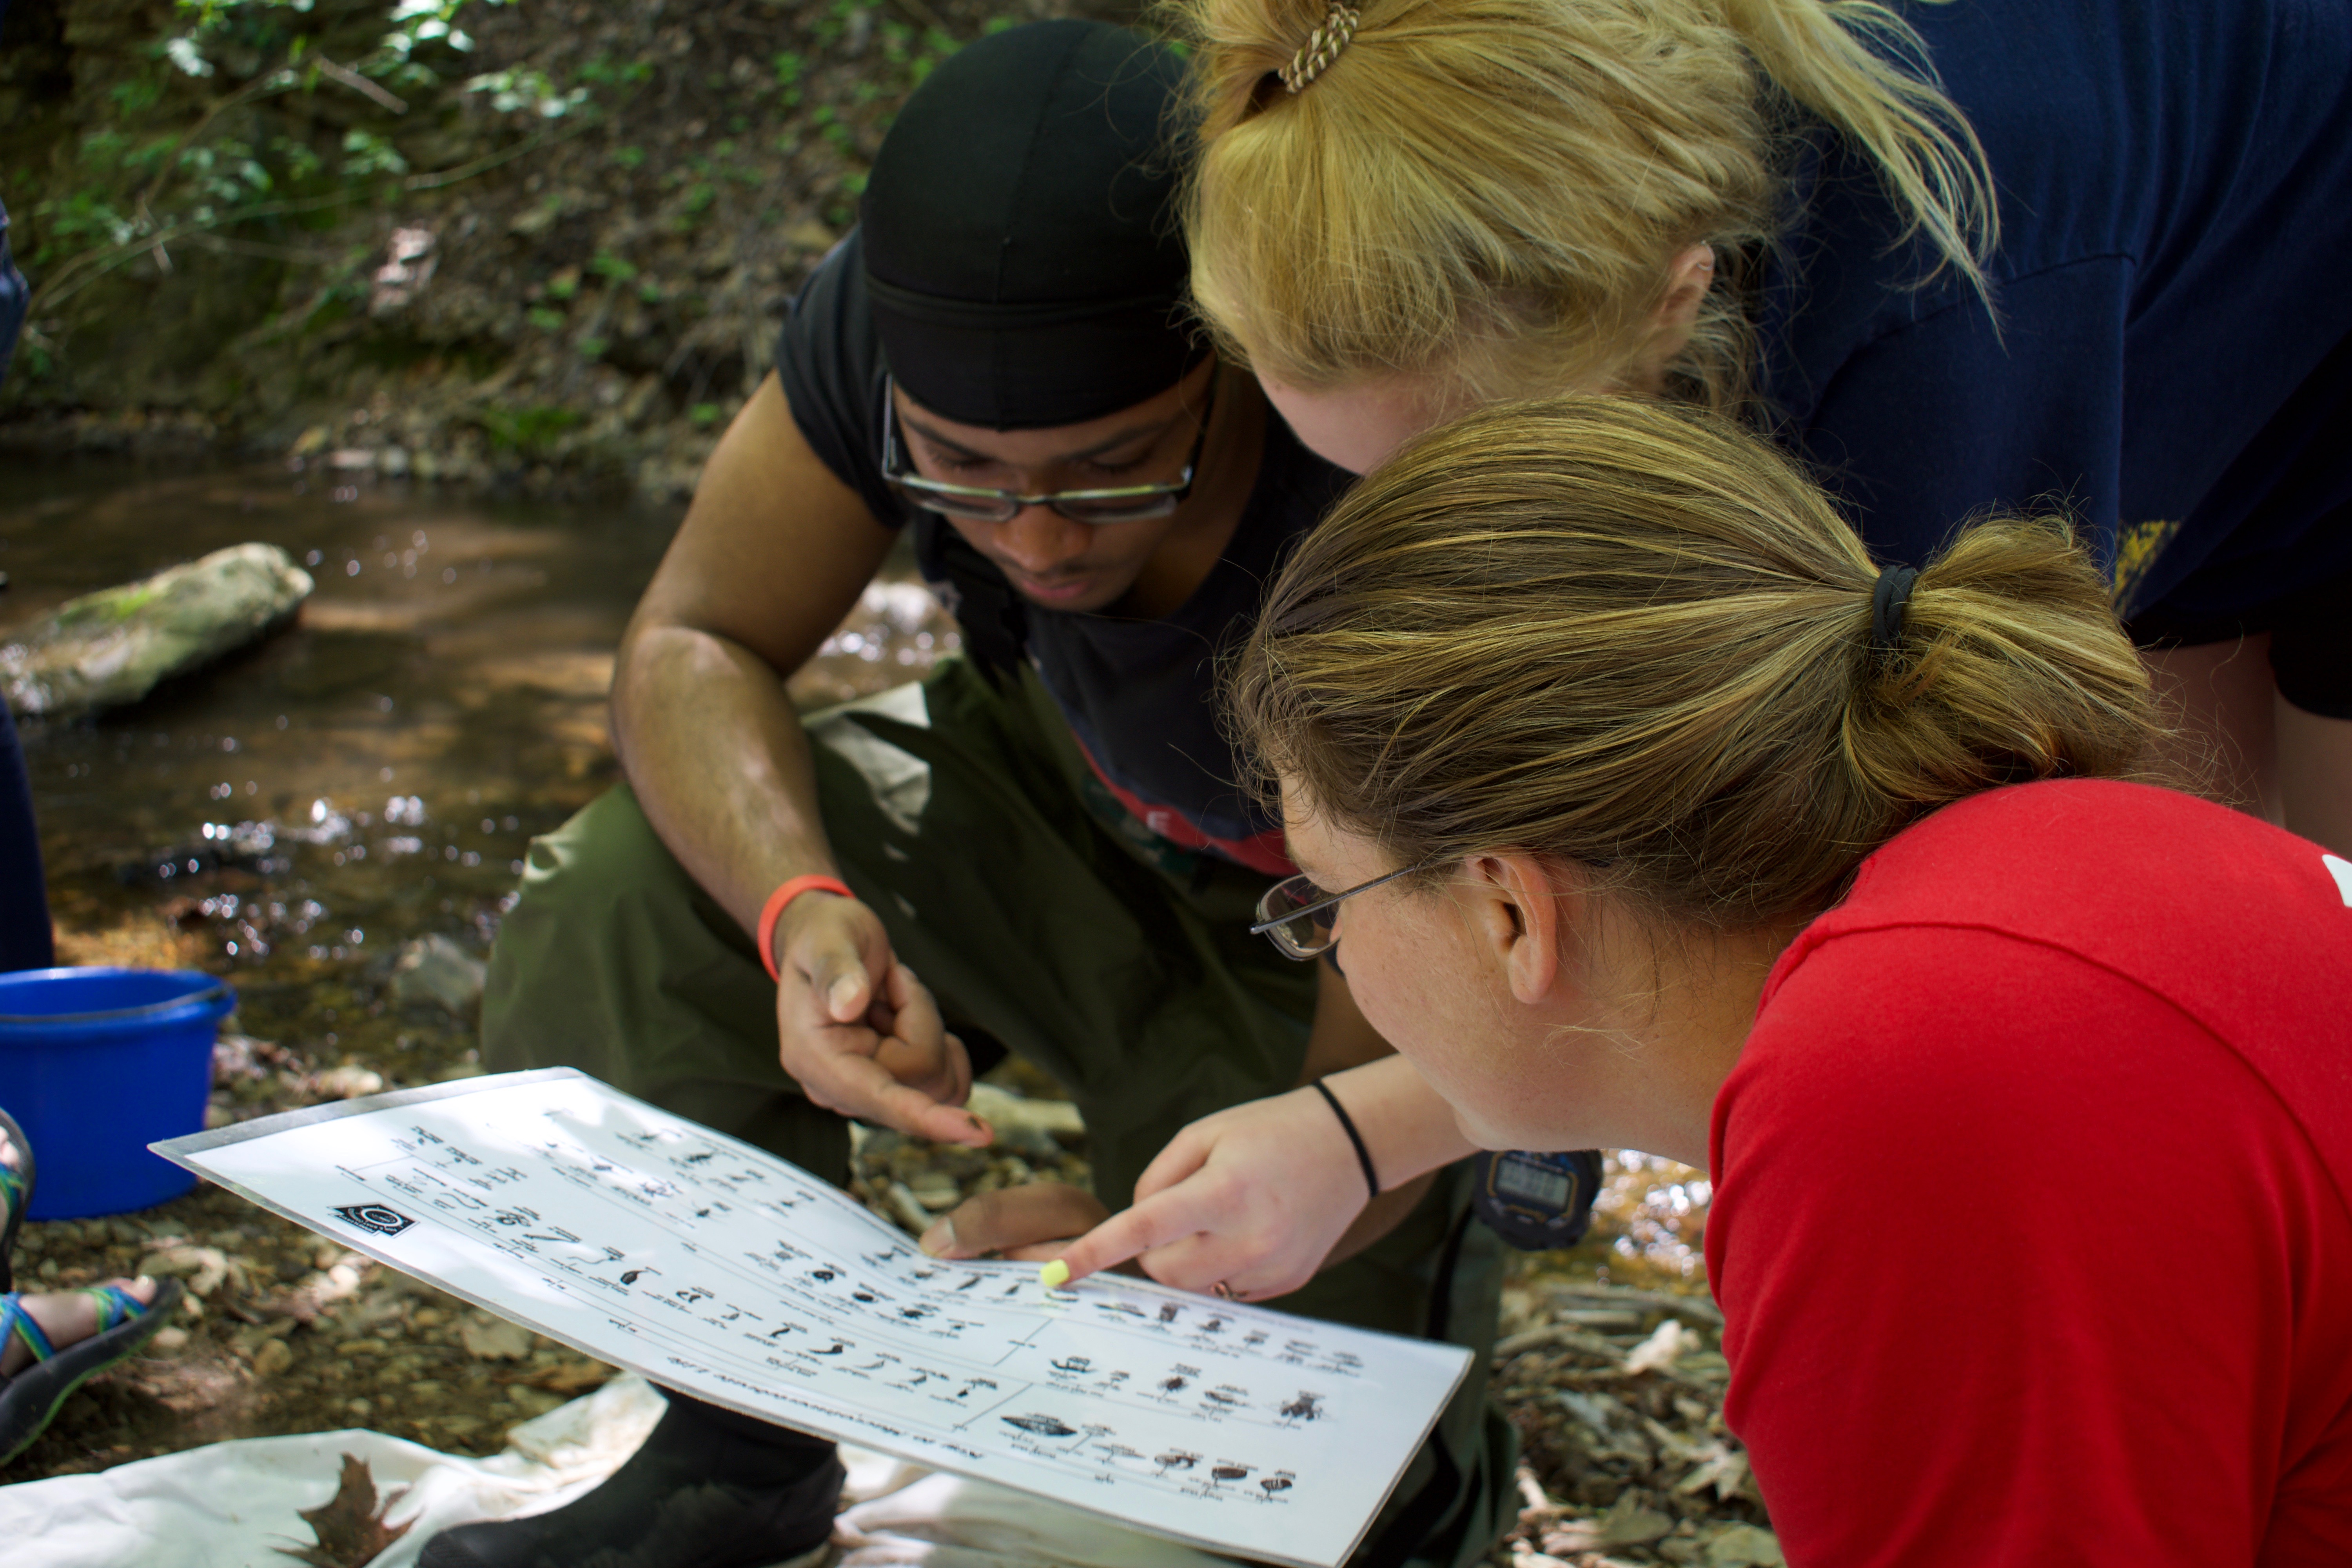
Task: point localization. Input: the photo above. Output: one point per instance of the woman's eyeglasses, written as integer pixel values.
(1297, 916)
(1128, 504)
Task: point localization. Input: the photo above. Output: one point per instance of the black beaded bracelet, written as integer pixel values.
(1363, 1155)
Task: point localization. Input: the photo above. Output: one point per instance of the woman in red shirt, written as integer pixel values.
(1653, 814)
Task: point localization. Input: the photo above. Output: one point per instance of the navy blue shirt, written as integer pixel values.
(2173, 358)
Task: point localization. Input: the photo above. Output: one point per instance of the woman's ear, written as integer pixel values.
(1688, 278)
(1519, 911)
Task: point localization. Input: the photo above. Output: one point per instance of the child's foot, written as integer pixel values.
(65, 1319)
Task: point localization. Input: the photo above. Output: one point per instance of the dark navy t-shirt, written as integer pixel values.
(1140, 695)
(2173, 359)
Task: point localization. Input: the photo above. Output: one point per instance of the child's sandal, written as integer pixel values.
(30, 1399)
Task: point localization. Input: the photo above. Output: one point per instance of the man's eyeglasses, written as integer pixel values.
(1127, 503)
(1296, 915)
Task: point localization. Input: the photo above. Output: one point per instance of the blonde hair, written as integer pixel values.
(1632, 637)
(1494, 189)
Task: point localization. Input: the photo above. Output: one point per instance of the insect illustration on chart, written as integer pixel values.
(1219, 1396)
(1228, 1472)
(1076, 1365)
(1168, 1310)
(1279, 1482)
(787, 1329)
(1041, 1426)
(691, 1294)
(836, 1348)
(1175, 1384)
(925, 1374)
(972, 1383)
(632, 1275)
(1306, 1408)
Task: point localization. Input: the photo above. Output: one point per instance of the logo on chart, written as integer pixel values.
(376, 1217)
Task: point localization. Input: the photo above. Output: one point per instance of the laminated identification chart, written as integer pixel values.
(708, 1266)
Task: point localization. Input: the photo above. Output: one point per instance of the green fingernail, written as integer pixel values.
(1054, 1275)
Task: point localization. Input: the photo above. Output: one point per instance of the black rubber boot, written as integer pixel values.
(709, 1489)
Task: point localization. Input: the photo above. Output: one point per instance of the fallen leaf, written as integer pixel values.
(1626, 1524)
(206, 1268)
(1663, 1348)
(350, 1525)
(567, 1378)
(1744, 1546)
(1721, 1466)
(494, 1339)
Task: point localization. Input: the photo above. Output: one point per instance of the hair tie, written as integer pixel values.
(1888, 601)
(1321, 47)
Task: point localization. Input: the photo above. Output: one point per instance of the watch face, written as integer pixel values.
(1539, 1186)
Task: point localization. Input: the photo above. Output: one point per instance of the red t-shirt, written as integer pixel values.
(2030, 1226)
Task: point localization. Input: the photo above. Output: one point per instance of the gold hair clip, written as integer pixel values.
(1321, 47)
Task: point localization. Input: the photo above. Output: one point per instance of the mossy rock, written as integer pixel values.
(113, 647)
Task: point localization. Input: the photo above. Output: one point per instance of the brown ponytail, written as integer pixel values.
(1632, 637)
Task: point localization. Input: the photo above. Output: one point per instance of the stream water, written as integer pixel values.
(299, 811)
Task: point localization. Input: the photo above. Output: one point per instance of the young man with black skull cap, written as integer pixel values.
(1046, 832)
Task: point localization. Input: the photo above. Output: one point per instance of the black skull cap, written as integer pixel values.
(1019, 230)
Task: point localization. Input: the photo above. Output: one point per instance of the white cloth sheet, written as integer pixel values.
(236, 1504)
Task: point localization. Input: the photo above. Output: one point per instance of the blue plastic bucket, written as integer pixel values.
(99, 1063)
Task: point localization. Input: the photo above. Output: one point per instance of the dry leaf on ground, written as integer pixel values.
(350, 1525)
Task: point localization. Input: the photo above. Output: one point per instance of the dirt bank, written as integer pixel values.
(554, 258)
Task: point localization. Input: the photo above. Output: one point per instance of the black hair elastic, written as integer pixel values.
(1888, 601)
(1363, 1155)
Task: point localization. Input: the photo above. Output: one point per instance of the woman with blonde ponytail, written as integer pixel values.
(1955, 256)
(1642, 807)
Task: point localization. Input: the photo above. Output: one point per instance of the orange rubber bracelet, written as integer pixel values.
(773, 910)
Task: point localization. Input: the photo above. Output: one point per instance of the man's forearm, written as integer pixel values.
(719, 763)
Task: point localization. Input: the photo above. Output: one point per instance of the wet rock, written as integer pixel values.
(434, 971)
(273, 1357)
(111, 648)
